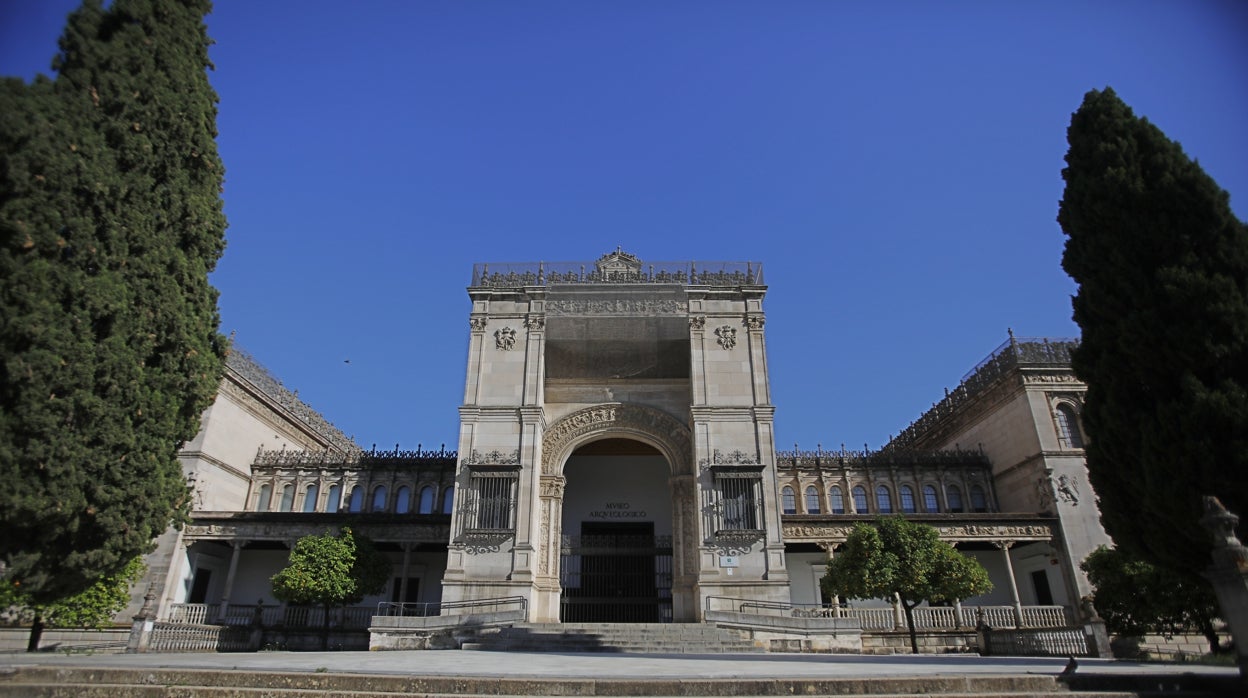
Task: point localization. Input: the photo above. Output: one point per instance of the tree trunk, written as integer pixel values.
(914, 638)
(325, 629)
(1211, 636)
(36, 633)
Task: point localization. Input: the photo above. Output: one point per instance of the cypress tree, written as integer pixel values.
(110, 221)
(1162, 268)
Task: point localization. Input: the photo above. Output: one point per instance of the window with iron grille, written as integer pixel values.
(736, 496)
(489, 502)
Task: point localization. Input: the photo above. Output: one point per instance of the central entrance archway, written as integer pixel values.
(659, 448)
(616, 552)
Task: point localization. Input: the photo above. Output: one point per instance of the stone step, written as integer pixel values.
(148, 691)
(58, 682)
(636, 638)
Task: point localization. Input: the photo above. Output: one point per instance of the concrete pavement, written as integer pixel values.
(604, 666)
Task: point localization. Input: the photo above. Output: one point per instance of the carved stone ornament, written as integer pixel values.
(615, 306)
(552, 487)
(737, 457)
(494, 457)
(1044, 490)
(481, 542)
(754, 322)
(505, 338)
(477, 323)
(735, 542)
(697, 322)
(1068, 489)
(622, 419)
(534, 322)
(727, 336)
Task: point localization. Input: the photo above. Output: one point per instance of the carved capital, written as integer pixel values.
(534, 323)
(754, 322)
(552, 487)
(477, 324)
(697, 323)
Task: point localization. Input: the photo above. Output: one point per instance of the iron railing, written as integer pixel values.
(893, 618)
(452, 608)
(268, 616)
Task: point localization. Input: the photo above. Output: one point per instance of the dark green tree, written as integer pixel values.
(1162, 268)
(903, 558)
(330, 571)
(92, 608)
(1135, 597)
(110, 221)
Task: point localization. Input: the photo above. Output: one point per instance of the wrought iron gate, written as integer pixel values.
(616, 577)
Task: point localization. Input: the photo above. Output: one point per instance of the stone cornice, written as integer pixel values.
(289, 526)
(953, 528)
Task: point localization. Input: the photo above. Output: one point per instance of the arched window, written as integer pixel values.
(953, 496)
(403, 500)
(812, 500)
(788, 500)
(836, 500)
(907, 499)
(309, 497)
(262, 501)
(357, 500)
(426, 501)
(379, 498)
(288, 497)
(860, 500)
(333, 498)
(930, 503)
(979, 503)
(448, 500)
(1068, 434)
(883, 500)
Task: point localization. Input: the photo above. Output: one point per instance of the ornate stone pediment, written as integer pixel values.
(621, 419)
(618, 262)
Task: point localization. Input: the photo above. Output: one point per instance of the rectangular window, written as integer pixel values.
(735, 501)
(738, 499)
(494, 502)
(489, 503)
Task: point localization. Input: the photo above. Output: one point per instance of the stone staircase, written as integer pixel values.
(82, 682)
(638, 638)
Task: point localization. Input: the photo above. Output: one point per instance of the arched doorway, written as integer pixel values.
(616, 552)
(656, 436)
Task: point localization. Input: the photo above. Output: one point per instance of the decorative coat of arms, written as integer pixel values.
(505, 338)
(727, 336)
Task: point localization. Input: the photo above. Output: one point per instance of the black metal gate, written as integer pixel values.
(616, 573)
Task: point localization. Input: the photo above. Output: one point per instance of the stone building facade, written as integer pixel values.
(616, 461)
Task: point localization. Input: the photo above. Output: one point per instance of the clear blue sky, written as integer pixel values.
(895, 165)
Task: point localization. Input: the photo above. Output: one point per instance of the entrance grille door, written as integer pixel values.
(616, 573)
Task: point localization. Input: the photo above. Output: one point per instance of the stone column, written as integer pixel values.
(407, 561)
(144, 622)
(685, 548)
(829, 548)
(1228, 574)
(1004, 546)
(549, 543)
(229, 578)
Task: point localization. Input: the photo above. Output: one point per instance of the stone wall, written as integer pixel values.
(898, 642)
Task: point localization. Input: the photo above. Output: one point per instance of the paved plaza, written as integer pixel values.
(605, 666)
